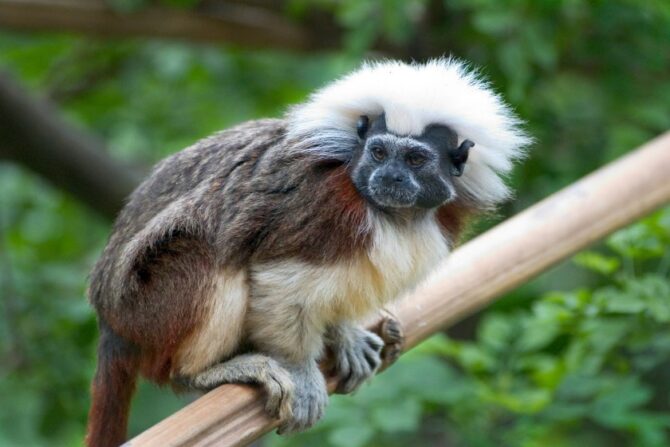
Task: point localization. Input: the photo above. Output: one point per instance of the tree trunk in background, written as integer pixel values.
(32, 133)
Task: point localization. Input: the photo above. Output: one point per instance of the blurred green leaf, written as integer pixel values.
(351, 436)
(597, 262)
(402, 415)
(636, 242)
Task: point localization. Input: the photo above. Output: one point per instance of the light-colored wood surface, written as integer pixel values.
(471, 278)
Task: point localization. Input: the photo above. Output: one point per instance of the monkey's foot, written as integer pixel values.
(309, 400)
(254, 369)
(357, 355)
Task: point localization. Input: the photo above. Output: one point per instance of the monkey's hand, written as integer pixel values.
(357, 354)
(310, 397)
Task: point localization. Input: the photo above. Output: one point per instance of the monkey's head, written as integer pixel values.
(406, 132)
(393, 171)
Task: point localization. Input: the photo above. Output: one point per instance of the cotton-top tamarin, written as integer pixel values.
(240, 258)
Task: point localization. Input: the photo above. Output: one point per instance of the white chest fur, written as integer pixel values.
(397, 259)
(403, 256)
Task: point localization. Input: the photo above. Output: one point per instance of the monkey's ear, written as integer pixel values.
(362, 126)
(459, 157)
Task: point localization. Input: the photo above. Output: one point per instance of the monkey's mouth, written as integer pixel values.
(393, 197)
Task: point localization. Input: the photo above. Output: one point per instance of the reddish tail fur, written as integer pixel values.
(112, 390)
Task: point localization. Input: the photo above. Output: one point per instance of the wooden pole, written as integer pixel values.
(484, 268)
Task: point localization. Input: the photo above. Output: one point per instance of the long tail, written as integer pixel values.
(112, 389)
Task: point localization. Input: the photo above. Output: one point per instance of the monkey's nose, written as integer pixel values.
(395, 178)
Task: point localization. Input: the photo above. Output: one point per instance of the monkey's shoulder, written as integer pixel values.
(192, 174)
(214, 157)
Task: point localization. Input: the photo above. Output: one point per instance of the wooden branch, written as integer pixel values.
(33, 134)
(228, 22)
(484, 268)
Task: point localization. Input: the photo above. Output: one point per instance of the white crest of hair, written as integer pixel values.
(412, 96)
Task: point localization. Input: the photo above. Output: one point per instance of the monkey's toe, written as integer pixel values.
(394, 339)
(279, 388)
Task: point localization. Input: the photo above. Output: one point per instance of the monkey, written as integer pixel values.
(243, 258)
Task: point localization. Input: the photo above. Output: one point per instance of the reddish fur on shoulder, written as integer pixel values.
(452, 217)
(340, 220)
(348, 208)
(322, 221)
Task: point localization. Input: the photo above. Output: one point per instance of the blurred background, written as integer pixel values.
(93, 92)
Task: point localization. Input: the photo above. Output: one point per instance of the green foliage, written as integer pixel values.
(368, 21)
(46, 329)
(589, 97)
(580, 367)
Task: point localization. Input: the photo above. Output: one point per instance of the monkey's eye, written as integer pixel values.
(415, 159)
(378, 153)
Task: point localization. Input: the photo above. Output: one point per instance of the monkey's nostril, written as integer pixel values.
(399, 178)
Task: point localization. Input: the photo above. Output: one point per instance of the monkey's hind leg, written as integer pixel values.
(252, 369)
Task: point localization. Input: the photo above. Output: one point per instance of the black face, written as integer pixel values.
(393, 171)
